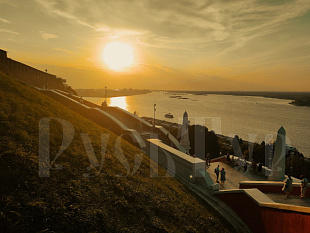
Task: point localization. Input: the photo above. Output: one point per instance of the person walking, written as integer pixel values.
(304, 185)
(223, 176)
(288, 186)
(217, 172)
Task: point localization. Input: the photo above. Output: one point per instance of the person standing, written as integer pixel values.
(223, 176)
(228, 158)
(288, 186)
(245, 165)
(208, 158)
(260, 168)
(254, 165)
(217, 172)
(304, 185)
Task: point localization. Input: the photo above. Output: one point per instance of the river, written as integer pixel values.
(254, 119)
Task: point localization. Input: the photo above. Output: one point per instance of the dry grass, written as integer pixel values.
(68, 201)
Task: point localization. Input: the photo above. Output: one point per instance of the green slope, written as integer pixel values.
(67, 201)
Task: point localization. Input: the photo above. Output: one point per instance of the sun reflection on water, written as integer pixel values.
(120, 102)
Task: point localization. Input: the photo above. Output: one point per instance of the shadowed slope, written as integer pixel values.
(67, 201)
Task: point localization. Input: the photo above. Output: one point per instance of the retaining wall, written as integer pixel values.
(271, 187)
(262, 215)
(99, 117)
(182, 165)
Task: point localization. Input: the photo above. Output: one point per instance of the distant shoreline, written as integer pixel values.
(100, 93)
(296, 98)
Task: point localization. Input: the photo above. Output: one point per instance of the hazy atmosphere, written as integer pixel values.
(177, 44)
(155, 116)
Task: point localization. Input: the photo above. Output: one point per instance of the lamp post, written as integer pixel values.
(154, 117)
(46, 80)
(104, 105)
(105, 96)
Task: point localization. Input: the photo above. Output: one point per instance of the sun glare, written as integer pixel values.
(118, 55)
(120, 102)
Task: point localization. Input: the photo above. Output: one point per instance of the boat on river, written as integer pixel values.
(168, 115)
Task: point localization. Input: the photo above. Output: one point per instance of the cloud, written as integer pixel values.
(253, 19)
(9, 3)
(64, 50)
(4, 20)
(183, 24)
(47, 36)
(52, 7)
(8, 31)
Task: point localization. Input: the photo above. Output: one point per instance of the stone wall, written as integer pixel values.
(28, 74)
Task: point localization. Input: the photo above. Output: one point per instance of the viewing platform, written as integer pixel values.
(236, 176)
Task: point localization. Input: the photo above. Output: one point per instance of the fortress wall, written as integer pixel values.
(28, 74)
(3, 61)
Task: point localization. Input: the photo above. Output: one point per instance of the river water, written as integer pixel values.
(254, 119)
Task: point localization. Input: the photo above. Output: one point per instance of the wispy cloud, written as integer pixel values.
(192, 23)
(47, 36)
(9, 3)
(8, 31)
(53, 8)
(4, 20)
(64, 50)
(252, 19)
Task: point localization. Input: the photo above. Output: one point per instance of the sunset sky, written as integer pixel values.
(256, 45)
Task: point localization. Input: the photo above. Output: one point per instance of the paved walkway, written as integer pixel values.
(235, 175)
(292, 200)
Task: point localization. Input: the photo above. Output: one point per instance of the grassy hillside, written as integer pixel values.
(68, 201)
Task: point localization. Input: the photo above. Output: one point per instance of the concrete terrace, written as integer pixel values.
(233, 175)
(236, 175)
(292, 200)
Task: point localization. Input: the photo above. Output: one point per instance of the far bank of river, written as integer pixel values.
(296, 98)
(252, 118)
(109, 93)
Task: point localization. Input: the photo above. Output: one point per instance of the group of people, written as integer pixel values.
(288, 186)
(218, 172)
(288, 183)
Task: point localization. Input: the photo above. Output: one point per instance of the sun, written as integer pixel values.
(118, 55)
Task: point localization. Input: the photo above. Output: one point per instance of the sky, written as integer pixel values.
(223, 45)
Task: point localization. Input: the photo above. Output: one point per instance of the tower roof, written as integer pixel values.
(281, 130)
